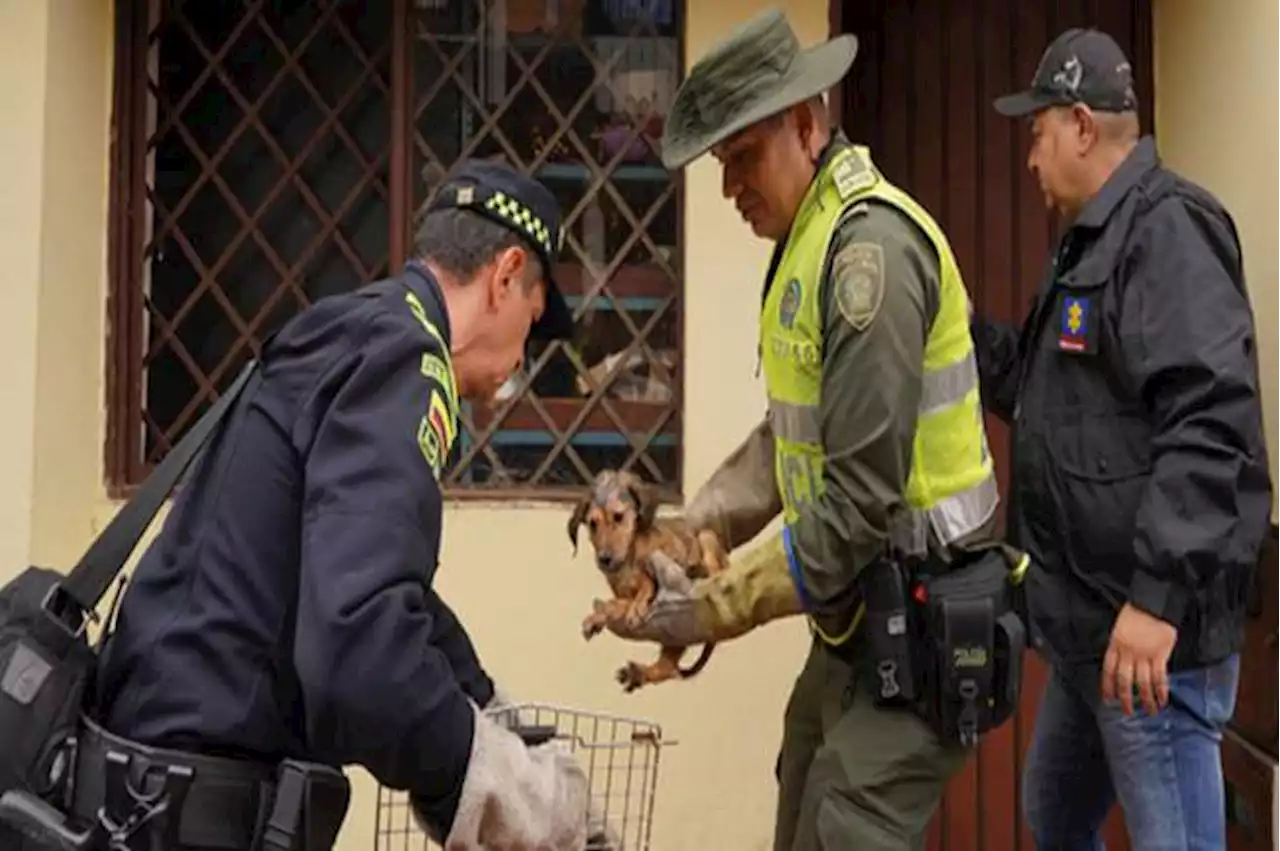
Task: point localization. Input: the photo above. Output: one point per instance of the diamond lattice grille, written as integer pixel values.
(268, 184)
(575, 100)
(271, 153)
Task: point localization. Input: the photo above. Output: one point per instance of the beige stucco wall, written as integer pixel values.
(1216, 96)
(515, 583)
(55, 64)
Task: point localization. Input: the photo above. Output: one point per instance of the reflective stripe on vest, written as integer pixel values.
(951, 485)
(942, 389)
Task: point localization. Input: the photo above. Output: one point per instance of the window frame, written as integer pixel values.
(130, 217)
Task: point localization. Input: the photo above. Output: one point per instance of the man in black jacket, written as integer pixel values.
(1139, 470)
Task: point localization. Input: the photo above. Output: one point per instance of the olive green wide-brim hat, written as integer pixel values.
(757, 71)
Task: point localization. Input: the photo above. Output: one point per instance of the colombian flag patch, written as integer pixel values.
(436, 432)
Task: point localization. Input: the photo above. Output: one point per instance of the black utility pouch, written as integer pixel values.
(308, 809)
(891, 634)
(1011, 644)
(974, 640)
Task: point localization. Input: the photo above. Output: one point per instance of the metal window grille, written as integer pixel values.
(268, 154)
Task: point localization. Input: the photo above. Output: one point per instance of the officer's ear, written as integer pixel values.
(812, 125)
(503, 280)
(1084, 128)
(516, 268)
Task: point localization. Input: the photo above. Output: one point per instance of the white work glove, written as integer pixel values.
(517, 798)
(500, 700)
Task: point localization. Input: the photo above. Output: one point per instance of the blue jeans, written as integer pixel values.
(1165, 769)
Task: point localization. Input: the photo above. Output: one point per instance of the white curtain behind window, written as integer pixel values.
(646, 70)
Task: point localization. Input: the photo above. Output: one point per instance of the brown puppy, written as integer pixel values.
(619, 514)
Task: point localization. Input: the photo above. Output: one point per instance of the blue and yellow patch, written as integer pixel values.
(789, 304)
(1073, 334)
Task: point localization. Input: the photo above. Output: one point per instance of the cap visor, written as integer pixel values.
(1021, 103)
(556, 322)
(821, 67)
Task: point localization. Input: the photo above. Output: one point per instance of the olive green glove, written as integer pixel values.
(755, 589)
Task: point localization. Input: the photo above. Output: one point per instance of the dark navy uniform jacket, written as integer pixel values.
(286, 608)
(1138, 467)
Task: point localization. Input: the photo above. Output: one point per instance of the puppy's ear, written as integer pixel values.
(645, 501)
(578, 517)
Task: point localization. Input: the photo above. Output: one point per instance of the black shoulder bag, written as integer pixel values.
(46, 661)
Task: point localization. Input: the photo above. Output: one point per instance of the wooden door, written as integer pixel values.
(920, 95)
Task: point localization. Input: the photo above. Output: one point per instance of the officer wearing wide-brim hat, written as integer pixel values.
(758, 72)
(873, 426)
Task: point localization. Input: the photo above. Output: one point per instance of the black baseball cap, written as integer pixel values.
(514, 200)
(1083, 66)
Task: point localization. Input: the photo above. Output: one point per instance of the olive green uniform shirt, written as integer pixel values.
(871, 386)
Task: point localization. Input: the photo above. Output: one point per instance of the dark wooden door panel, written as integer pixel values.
(920, 96)
(1255, 716)
(1249, 775)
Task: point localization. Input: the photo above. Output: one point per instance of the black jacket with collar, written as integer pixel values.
(287, 608)
(1138, 462)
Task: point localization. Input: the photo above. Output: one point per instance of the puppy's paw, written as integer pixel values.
(592, 625)
(631, 676)
(635, 615)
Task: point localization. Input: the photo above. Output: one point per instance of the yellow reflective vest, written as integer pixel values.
(951, 485)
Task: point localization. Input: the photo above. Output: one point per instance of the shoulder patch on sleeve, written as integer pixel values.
(436, 433)
(850, 175)
(435, 368)
(858, 276)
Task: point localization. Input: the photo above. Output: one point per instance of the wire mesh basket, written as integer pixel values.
(618, 754)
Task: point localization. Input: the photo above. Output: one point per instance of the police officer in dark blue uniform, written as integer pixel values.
(286, 609)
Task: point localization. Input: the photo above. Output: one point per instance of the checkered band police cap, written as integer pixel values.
(524, 205)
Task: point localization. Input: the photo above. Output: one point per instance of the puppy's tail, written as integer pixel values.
(701, 662)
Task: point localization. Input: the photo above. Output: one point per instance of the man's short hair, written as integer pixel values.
(460, 242)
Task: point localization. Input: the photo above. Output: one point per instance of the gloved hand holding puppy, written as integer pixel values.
(736, 503)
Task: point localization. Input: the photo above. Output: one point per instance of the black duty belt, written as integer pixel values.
(221, 803)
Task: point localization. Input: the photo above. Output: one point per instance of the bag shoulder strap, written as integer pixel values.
(107, 555)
